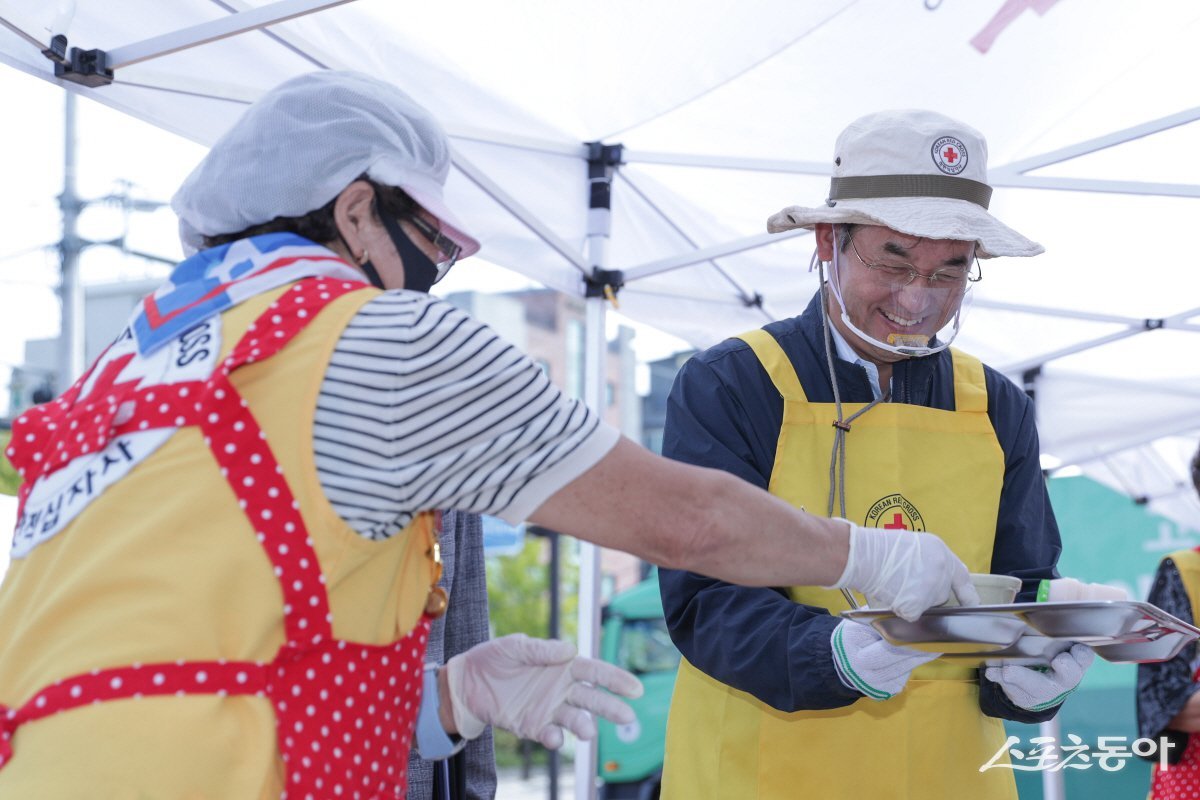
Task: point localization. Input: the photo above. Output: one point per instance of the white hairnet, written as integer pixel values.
(304, 142)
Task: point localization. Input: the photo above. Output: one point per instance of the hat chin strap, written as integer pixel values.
(908, 351)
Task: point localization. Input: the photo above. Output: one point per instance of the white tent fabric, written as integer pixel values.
(727, 111)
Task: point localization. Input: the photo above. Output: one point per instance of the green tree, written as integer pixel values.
(519, 590)
(9, 480)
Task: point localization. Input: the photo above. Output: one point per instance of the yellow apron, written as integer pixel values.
(192, 591)
(906, 466)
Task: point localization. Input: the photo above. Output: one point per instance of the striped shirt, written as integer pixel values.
(424, 408)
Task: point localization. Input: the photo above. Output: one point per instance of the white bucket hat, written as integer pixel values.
(916, 172)
(305, 141)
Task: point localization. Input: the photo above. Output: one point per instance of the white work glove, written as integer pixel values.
(535, 688)
(868, 663)
(906, 571)
(1039, 688)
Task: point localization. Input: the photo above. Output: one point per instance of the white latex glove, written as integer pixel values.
(905, 570)
(535, 688)
(868, 663)
(1039, 688)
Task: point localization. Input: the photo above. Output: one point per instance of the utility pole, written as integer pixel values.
(70, 345)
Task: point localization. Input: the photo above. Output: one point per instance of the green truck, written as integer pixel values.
(634, 636)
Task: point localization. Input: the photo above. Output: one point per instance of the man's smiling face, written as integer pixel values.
(885, 300)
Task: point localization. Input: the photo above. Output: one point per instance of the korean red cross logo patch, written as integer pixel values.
(949, 154)
(896, 513)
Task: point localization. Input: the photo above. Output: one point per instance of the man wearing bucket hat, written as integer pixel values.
(857, 409)
(225, 564)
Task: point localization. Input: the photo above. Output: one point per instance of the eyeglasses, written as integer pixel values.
(447, 249)
(897, 276)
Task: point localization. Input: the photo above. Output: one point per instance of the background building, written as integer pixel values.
(654, 404)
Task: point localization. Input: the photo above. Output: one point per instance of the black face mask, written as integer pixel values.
(420, 272)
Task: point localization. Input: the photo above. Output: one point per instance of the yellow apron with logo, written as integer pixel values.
(906, 467)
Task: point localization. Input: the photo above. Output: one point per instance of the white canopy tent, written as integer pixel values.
(717, 114)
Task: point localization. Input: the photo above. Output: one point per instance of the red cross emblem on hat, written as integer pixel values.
(949, 155)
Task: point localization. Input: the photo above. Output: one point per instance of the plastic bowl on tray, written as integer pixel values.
(994, 590)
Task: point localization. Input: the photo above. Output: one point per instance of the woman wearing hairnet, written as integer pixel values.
(226, 560)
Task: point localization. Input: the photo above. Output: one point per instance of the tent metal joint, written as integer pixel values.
(85, 67)
(1153, 324)
(603, 160)
(57, 51)
(605, 155)
(604, 283)
(752, 300)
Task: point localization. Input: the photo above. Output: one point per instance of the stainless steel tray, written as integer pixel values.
(1121, 631)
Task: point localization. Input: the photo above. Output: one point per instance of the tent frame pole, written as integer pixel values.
(223, 28)
(1098, 143)
(1054, 355)
(1013, 175)
(749, 298)
(12, 18)
(600, 288)
(702, 254)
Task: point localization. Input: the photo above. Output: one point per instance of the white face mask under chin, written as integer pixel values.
(945, 336)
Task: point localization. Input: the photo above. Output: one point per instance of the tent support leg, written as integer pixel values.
(603, 161)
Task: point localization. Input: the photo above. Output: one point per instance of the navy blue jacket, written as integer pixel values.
(725, 412)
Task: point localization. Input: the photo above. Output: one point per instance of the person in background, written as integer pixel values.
(858, 409)
(1168, 704)
(471, 774)
(226, 560)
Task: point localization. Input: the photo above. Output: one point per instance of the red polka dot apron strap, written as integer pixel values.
(1181, 781)
(35, 431)
(47, 437)
(90, 426)
(344, 711)
(133, 682)
(241, 449)
(285, 318)
(246, 461)
(345, 714)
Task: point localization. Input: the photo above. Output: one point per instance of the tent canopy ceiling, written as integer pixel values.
(727, 112)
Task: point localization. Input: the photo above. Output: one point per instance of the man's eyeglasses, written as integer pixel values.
(447, 249)
(897, 276)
